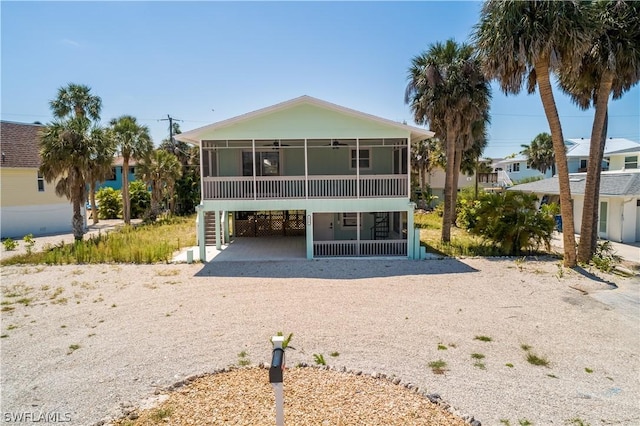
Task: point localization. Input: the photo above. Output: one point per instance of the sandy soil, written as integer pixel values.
(83, 341)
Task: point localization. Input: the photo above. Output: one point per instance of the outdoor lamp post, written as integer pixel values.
(276, 377)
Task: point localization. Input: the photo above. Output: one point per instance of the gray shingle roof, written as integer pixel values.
(19, 143)
(621, 184)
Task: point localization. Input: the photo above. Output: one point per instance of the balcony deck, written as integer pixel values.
(301, 187)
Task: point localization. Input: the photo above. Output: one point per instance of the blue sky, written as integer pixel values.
(203, 62)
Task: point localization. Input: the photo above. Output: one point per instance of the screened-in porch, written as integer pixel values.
(304, 169)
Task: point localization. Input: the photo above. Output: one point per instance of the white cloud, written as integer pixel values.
(70, 42)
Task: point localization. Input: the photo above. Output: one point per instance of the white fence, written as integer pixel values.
(274, 187)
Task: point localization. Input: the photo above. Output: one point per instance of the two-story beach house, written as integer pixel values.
(307, 168)
(619, 209)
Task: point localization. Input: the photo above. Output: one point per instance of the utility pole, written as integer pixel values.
(170, 120)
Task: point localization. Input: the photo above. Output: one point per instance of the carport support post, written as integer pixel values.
(202, 243)
(218, 230)
(412, 234)
(309, 237)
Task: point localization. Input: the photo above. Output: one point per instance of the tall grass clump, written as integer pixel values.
(150, 243)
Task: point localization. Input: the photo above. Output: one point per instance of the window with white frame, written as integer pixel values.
(349, 220)
(583, 163)
(365, 158)
(516, 167)
(631, 162)
(40, 182)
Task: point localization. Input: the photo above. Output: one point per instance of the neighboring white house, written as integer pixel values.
(516, 168)
(29, 204)
(619, 210)
(308, 168)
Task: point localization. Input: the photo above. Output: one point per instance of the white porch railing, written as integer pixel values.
(362, 248)
(273, 187)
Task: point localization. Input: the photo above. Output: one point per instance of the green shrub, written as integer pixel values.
(9, 244)
(512, 221)
(29, 242)
(140, 198)
(109, 203)
(605, 258)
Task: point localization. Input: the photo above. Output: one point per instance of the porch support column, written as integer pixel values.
(306, 170)
(226, 227)
(218, 230)
(411, 234)
(253, 161)
(357, 233)
(202, 243)
(309, 238)
(358, 169)
(408, 142)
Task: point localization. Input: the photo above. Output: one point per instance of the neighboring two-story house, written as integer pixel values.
(619, 210)
(307, 168)
(29, 205)
(115, 179)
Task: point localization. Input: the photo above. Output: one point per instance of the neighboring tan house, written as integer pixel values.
(309, 168)
(29, 205)
(619, 210)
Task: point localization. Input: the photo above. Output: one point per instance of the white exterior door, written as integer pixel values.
(602, 219)
(323, 226)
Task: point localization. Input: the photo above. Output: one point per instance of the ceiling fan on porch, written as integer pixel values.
(276, 144)
(335, 144)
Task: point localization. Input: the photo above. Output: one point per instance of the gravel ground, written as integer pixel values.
(84, 343)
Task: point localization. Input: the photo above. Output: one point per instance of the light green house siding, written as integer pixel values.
(305, 121)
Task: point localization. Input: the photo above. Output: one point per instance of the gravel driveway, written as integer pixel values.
(82, 341)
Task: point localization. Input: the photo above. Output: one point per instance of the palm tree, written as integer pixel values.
(76, 100)
(539, 153)
(66, 151)
(133, 142)
(69, 144)
(448, 91)
(611, 66)
(100, 168)
(423, 159)
(159, 170)
(521, 42)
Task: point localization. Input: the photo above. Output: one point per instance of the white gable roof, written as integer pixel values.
(194, 136)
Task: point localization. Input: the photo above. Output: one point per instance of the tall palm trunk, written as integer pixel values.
(78, 196)
(92, 200)
(550, 110)
(588, 235)
(596, 224)
(456, 178)
(448, 185)
(126, 204)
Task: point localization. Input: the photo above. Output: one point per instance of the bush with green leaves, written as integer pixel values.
(512, 221)
(10, 244)
(605, 258)
(140, 198)
(109, 203)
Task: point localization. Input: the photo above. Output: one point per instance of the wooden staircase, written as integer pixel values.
(210, 228)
